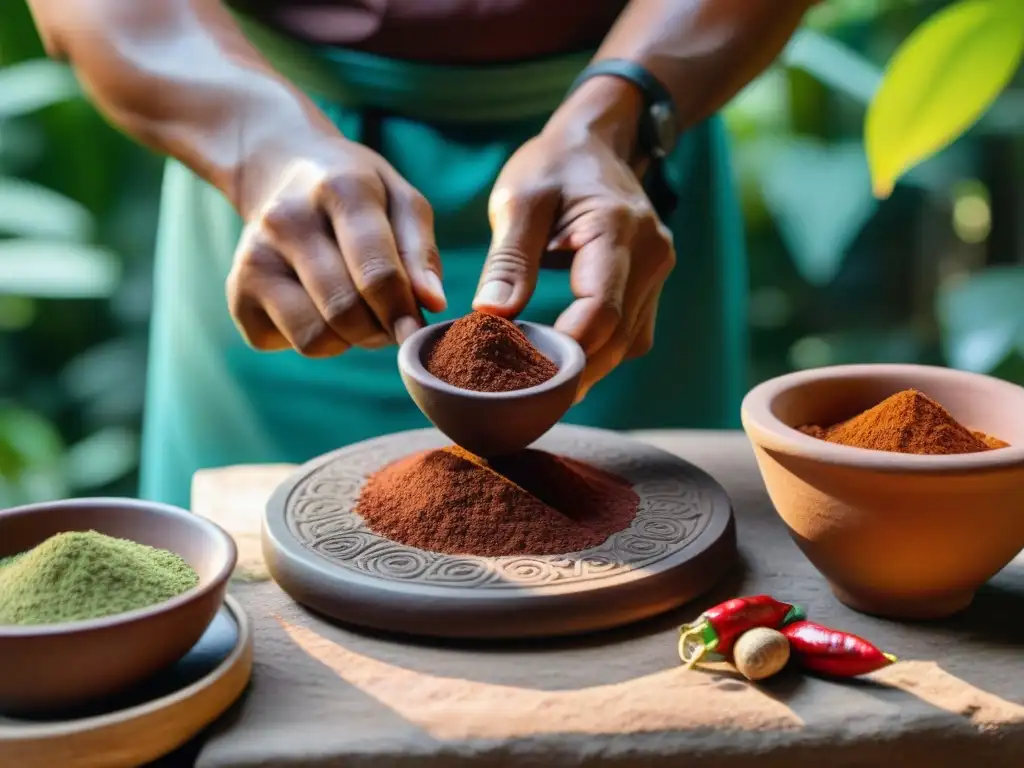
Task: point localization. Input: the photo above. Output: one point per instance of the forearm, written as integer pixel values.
(179, 76)
(703, 51)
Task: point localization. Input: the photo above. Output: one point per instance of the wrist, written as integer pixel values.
(605, 108)
(264, 160)
(258, 172)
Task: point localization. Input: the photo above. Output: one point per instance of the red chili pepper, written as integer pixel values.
(831, 652)
(718, 628)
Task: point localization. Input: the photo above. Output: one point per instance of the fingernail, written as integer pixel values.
(405, 327)
(580, 394)
(434, 284)
(493, 294)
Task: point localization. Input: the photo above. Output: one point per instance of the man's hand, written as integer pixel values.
(338, 250)
(572, 190)
(340, 254)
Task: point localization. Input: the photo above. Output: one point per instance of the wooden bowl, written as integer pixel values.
(149, 722)
(493, 423)
(51, 667)
(897, 535)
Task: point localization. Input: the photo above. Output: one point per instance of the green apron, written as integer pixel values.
(213, 401)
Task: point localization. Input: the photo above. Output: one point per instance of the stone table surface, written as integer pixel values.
(324, 695)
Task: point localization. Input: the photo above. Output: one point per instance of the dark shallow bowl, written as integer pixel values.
(493, 423)
(51, 667)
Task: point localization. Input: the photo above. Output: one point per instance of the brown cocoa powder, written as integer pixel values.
(530, 503)
(485, 353)
(907, 422)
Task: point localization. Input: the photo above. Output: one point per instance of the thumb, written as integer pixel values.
(521, 226)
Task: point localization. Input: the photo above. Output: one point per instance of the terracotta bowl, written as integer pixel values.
(493, 423)
(896, 535)
(53, 667)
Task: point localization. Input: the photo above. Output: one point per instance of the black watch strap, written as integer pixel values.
(658, 130)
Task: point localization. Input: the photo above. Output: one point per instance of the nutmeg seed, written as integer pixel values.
(760, 653)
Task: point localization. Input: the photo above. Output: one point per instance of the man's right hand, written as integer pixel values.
(338, 250)
(339, 254)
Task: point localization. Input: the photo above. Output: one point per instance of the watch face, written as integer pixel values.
(665, 129)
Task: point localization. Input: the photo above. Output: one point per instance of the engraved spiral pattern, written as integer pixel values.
(676, 505)
(403, 563)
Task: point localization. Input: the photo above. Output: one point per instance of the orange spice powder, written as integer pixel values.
(907, 422)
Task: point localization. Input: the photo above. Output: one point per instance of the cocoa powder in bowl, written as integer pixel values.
(530, 503)
(485, 353)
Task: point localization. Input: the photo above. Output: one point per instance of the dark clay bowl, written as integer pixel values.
(493, 423)
(51, 667)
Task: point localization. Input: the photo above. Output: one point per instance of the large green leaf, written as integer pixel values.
(46, 269)
(32, 210)
(34, 84)
(982, 318)
(940, 82)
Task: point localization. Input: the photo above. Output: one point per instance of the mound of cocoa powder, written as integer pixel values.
(530, 503)
(907, 422)
(485, 353)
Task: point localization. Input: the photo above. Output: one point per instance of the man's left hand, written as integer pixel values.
(571, 191)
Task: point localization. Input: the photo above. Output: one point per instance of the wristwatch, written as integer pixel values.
(659, 125)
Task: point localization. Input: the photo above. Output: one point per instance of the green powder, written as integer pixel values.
(86, 575)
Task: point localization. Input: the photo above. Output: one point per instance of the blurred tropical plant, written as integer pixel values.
(73, 303)
(946, 75)
(817, 189)
(938, 84)
(46, 253)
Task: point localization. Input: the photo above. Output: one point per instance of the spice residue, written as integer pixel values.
(992, 442)
(86, 575)
(907, 422)
(530, 503)
(485, 353)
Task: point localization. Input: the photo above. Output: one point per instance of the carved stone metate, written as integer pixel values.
(317, 545)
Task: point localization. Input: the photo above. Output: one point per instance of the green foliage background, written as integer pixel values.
(934, 274)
